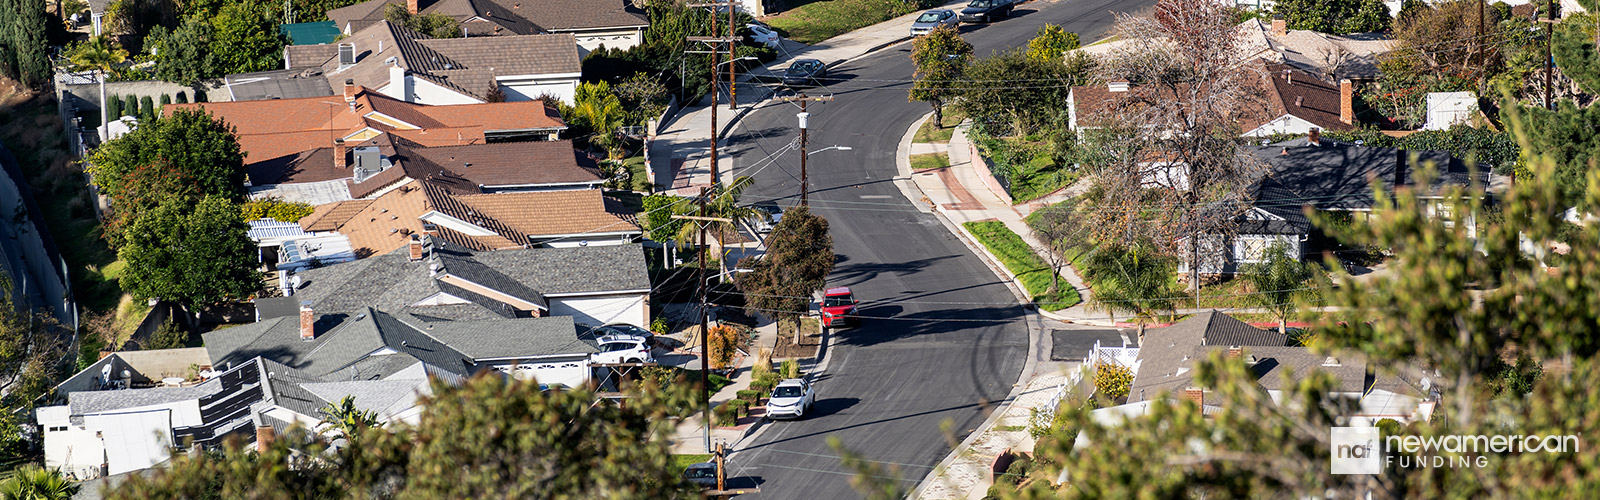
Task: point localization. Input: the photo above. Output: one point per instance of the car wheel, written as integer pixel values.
(634, 361)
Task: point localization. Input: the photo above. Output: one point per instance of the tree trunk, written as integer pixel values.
(938, 114)
(105, 129)
(1141, 335)
(797, 333)
(1283, 325)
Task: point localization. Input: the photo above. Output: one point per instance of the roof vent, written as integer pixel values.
(1331, 361)
(392, 61)
(347, 55)
(1299, 101)
(1117, 86)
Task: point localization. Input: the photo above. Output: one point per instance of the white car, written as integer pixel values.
(622, 349)
(791, 399)
(763, 35)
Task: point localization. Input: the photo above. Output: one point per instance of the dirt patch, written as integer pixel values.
(810, 340)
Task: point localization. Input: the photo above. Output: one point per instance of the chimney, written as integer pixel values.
(400, 83)
(1195, 394)
(1235, 351)
(1347, 109)
(341, 154)
(264, 437)
(1299, 101)
(1288, 77)
(350, 90)
(308, 322)
(413, 7)
(1280, 27)
(416, 248)
(1314, 137)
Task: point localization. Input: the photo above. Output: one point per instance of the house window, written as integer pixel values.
(1250, 249)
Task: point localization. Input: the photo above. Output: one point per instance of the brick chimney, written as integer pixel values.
(1347, 107)
(308, 321)
(416, 247)
(264, 437)
(341, 154)
(1195, 394)
(1235, 351)
(1280, 27)
(413, 7)
(350, 90)
(1314, 137)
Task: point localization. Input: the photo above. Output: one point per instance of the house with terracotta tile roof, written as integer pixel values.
(412, 67)
(320, 150)
(615, 24)
(476, 221)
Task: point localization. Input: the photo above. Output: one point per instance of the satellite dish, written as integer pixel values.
(105, 372)
(127, 374)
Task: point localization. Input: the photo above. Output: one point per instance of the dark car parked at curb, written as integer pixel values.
(804, 73)
(983, 11)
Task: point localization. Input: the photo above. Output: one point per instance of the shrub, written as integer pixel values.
(659, 326)
(747, 395)
(276, 209)
(169, 336)
(147, 108)
(725, 416)
(183, 98)
(113, 107)
(130, 105)
(1113, 380)
(165, 99)
(791, 369)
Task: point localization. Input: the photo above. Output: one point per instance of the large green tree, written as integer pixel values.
(23, 42)
(203, 150)
(245, 38)
(1134, 280)
(939, 57)
(487, 438)
(183, 55)
(598, 110)
(196, 254)
(1019, 109)
(798, 259)
(1334, 16)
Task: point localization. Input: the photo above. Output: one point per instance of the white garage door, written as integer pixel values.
(574, 373)
(595, 311)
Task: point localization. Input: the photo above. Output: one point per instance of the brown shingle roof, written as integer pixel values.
(1301, 95)
(385, 223)
(512, 163)
(513, 55)
(466, 65)
(507, 17)
(1166, 356)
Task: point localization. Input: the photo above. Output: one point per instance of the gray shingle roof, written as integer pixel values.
(1166, 357)
(1337, 175)
(87, 402)
(510, 338)
(385, 397)
(391, 282)
(278, 84)
(511, 17)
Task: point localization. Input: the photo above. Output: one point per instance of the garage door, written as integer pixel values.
(594, 311)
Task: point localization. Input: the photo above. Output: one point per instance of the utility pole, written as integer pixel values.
(1483, 64)
(705, 310)
(733, 90)
(805, 185)
(714, 40)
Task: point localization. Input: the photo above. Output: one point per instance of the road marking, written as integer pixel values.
(875, 197)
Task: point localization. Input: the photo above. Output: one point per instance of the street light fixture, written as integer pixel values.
(839, 148)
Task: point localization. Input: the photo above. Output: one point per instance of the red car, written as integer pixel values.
(838, 308)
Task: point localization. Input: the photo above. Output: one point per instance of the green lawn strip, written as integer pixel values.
(821, 20)
(1040, 176)
(929, 161)
(682, 462)
(1029, 268)
(637, 172)
(937, 135)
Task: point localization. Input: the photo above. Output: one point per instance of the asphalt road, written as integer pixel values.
(944, 339)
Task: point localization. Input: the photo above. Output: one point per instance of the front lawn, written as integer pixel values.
(682, 462)
(929, 161)
(940, 135)
(1030, 269)
(823, 19)
(1029, 166)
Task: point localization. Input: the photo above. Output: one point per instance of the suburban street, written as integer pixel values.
(944, 340)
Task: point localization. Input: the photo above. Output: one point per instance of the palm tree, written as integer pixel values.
(724, 204)
(347, 419)
(36, 483)
(596, 107)
(1132, 280)
(99, 54)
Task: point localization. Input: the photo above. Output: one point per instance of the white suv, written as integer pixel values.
(622, 349)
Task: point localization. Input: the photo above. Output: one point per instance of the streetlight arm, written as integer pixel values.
(840, 148)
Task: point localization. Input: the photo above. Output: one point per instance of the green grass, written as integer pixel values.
(637, 172)
(929, 161)
(820, 20)
(1020, 258)
(682, 462)
(930, 133)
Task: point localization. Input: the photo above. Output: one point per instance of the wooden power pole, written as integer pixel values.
(805, 184)
(705, 311)
(1549, 57)
(715, 41)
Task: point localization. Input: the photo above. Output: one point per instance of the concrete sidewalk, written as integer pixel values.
(968, 476)
(960, 193)
(691, 432)
(680, 151)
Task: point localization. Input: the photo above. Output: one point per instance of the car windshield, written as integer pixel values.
(837, 300)
(800, 68)
(930, 17)
(786, 392)
(700, 472)
(979, 4)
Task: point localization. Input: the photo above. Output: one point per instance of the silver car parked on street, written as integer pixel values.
(933, 19)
